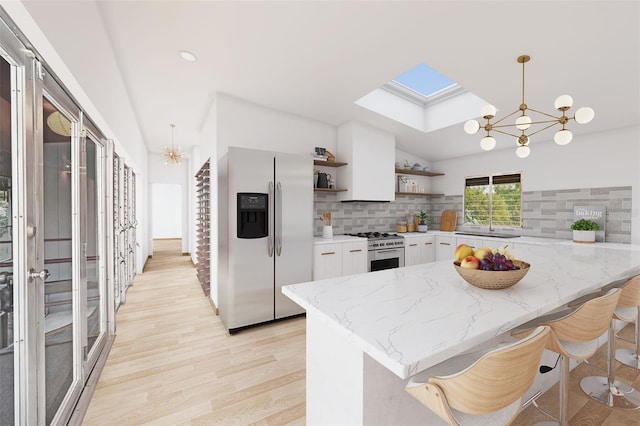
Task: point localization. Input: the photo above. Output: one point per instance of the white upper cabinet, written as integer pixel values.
(370, 154)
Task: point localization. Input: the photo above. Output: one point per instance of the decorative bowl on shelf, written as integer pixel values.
(493, 280)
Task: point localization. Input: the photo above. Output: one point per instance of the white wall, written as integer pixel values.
(589, 161)
(166, 211)
(247, 125)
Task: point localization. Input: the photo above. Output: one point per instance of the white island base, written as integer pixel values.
(345, 386)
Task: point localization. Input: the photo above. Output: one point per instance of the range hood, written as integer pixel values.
(370, 172)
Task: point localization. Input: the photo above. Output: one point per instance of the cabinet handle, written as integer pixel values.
(412, 245)
(328, 252)
(355, 251)
(427, 244)
(445, 244)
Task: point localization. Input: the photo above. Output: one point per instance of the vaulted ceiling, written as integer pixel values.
(314, 59)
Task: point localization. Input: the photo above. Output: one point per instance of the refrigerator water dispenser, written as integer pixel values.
(252, 215)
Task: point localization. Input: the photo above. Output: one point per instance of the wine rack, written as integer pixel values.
(203, 250)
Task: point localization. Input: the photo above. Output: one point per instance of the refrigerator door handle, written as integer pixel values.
(270, 239)
(279, 218)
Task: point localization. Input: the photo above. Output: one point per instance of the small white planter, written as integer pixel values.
(422, 228)
(584, 236)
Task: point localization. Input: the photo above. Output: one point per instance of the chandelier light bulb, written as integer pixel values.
(523, 122)
(523, 151)
(584, 115)
(563, 137)
(488, 111)
(488, 143)
(563, 102)
(471, 127)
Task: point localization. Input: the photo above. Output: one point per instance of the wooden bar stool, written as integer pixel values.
(607, 390)
(489, 391)
(575, 336)
(629, 311)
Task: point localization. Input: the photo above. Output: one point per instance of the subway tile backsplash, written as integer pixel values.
(544, 213)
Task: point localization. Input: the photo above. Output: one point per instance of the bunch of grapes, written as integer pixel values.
(497, 262)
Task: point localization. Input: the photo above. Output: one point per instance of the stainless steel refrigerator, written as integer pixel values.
(265, 234)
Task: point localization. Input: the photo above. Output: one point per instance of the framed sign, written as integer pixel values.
(598, 214)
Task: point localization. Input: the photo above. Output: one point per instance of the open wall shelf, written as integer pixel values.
(417, 172)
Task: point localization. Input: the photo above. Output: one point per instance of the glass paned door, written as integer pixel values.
(95, 295)
(117, 231)
(60, 297)
(7, 307)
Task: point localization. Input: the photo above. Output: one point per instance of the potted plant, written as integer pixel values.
(584, 231)
(424, 219)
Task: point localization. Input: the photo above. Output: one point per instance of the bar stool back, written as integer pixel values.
(489, 391)
(628, 310)
(607, 390)
(575, 336)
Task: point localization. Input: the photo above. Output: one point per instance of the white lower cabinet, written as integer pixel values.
(445, 247)
(419, 249)
(327, 261)
(339, 258)
(354, 258)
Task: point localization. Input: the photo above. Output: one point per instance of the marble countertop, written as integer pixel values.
(411, 318)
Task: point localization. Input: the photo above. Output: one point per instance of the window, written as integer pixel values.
(494, 200)
(424, 80)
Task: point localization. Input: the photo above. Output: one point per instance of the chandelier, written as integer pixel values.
(172, 155)
(524, 121)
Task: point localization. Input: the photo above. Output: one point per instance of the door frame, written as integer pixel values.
(57, 96)
(90, 358)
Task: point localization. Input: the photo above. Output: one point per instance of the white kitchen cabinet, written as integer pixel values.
(419, 250)
(338, 257)
(370, 154)
(445, 247)
(354, 258)
(428, 249)
(411, 252)
(327, 261)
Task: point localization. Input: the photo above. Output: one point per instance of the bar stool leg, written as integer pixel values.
(607, 390)
(628, 356)
(563, 395)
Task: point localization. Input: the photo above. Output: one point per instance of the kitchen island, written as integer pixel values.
(368, 333)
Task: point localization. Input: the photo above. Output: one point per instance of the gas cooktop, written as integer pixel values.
(376, 235)
(381, 240)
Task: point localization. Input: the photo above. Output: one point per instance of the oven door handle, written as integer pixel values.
(389, 250)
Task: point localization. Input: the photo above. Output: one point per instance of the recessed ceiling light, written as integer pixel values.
(188, 56)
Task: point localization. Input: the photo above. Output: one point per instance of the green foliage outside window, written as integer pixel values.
(505, 195)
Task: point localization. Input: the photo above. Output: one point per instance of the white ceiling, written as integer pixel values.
(314, 59)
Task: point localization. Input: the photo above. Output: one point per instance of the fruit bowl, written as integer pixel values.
(493, 280)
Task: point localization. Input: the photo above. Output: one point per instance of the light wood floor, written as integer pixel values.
(172, 363)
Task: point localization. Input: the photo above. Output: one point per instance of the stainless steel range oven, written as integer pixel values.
(385, 251)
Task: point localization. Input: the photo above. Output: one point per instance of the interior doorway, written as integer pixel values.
(166, 208)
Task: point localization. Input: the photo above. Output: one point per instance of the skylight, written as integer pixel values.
(423, 99)
(423, 80)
